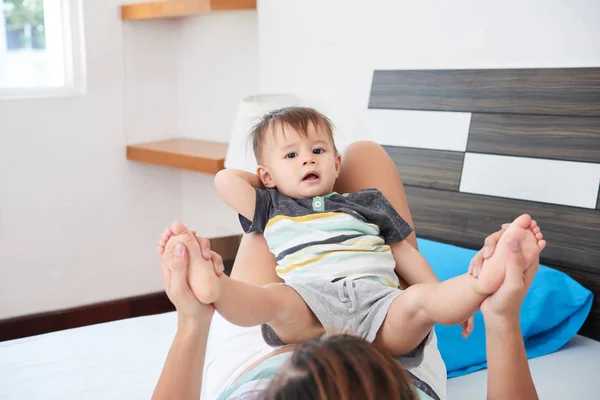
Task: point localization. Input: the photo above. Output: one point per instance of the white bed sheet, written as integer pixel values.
(572, 373)
(123, 359)
(115, 360)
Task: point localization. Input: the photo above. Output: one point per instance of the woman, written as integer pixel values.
(365, 165)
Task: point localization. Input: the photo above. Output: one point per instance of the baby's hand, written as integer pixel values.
(467, 327)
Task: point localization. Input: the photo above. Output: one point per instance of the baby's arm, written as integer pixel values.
(410, 264)
(237, 189)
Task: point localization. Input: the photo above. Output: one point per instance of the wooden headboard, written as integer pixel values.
(506, 142)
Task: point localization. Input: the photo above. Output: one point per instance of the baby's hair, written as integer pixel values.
(297, 118)
(342, 367)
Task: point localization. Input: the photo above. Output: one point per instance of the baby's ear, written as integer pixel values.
(265, 176)
(338, 164)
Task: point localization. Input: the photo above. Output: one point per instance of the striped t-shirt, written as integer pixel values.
(330, 236)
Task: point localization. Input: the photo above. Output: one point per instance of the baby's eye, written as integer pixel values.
(291, 155)
(318, 151)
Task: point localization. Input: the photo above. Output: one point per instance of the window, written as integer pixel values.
(40, 48)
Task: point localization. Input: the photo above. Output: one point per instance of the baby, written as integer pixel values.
(339, 255)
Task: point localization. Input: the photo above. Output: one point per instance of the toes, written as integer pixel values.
(533, 224)
(164, 238)
(178, 228)
(523, 221)
(539, 236)
(536, 230)
(542, 244)
(182, 235)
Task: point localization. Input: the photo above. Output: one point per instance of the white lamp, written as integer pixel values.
(239, 151)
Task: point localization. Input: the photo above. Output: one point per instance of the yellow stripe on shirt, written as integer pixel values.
(284, 270)
(303, 218)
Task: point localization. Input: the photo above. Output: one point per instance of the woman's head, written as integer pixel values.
(341, 367)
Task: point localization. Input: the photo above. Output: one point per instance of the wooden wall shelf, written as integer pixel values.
(190, 154)
(181, 8)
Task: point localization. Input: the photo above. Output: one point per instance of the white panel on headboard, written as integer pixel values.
(435, 130)
(549, 181)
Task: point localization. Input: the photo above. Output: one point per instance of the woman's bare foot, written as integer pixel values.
(201, 276)
(524, 232)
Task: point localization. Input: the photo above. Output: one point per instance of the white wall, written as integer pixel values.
(327, 50)
(217, 66)
(78, 222)
(195, 71)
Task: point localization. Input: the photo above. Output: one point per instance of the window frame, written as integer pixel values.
(73, 51)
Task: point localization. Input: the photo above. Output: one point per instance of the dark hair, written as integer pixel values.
(342, 367)
(297, 118)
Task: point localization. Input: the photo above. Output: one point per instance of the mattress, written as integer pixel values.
(115, 360)
(569, 373)
(123, 360)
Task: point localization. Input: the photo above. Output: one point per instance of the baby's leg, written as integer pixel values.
(275, 304)
(244, 304)
(413, 314)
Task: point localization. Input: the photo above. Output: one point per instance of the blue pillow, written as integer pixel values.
(552, 312)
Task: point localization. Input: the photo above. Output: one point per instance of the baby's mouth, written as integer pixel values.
(310, 177)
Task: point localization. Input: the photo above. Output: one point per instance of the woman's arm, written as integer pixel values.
(509, 376)
(181, 377)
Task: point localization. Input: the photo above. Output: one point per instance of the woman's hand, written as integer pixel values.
(209, 255)
(509, 376)
(486, 252)
(475, 267)
(181, 377)
(505, 305)
(174, 268)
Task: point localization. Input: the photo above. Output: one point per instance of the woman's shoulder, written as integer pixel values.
(257, 379)
(247, 391)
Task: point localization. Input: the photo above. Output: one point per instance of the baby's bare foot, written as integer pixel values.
(162, 242)
(201, 276)
(530, 239)
(164, 238)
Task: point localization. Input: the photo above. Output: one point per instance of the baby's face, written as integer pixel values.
(299, 166)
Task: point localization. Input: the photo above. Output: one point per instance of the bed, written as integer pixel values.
(122, 360)
(448, 132)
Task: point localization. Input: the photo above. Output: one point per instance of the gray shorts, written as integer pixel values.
(347, 305)
(355, 306)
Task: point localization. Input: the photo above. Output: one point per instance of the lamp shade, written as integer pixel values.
(239, 152)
